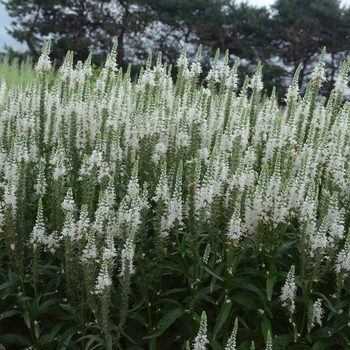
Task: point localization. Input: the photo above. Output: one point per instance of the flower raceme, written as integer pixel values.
(127, 256)
(201, 339)
(44, 62)
(289, 291)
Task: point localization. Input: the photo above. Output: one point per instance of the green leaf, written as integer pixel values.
(55, 330)
(138, 318)
(67, 307)
(216, 346)
(270, 282)
(36, 330)
(245, 345)
(285, 246)
(175, 291)
(212, 272)
(245, 300)
(221, 319)
(136, 306)
(26, 318)
(281, 342)
(166, 301)
(14, 339)
(66, 337)
(5, 289)
(212, 284)
(324, 344)
(265, 327)
(202, 295)
(337, 307)
(46, 305)
(127, 337)
(171, 266)
(92, 340)
(254, 289)
(165, 322)
(152, 344)
(249, 271)
(2, 347)
(5, 285)
(310, 309)
(22, 299)
(323, 333)
(9, 313)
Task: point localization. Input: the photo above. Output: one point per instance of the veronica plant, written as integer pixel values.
(168, 215)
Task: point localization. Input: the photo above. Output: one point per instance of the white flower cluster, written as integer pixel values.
(336, 220)
(68, 203)
(182, 62)
(94, 160)
(162, 198)
(215, 176)
(317, 313)
(159, 152)
(293, 91)
(343, 258)
(59, 161)
(102, 213)
(175, 206)
(289, 291)
(231, 343)
(127, 255)
(83, 225)
(256, 82)
(40, 186)
(69, 228)
(90, 250)
(38, 233)
(341, 84)
(319, 241)
(128, 215)
(268, 341)
(2, 90)
(201, 339)
(10, 198)
(111, 62)
(44, 62)
(39, 237)
(109, 251)
(66, 69)
(234, 230)
(103, 280)
(206, 253)
(318, 75)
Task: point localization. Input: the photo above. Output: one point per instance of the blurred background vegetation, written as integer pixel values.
(282, 36)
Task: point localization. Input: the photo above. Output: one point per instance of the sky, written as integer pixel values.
(5, 21)
(270, 2)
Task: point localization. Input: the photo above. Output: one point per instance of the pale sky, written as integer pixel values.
(270, 2)
(5, 21)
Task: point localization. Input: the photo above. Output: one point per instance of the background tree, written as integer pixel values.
(244, 30)
(247, 32)
(77, 25)
(303, 27)
(173, 23)
(289, 33)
